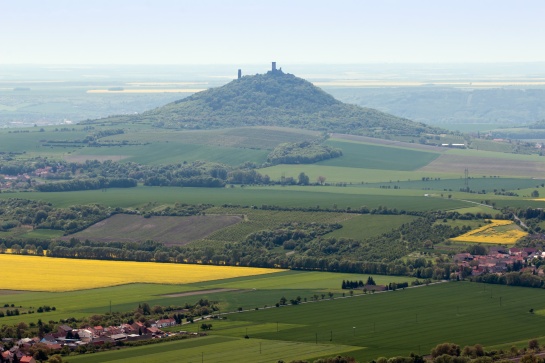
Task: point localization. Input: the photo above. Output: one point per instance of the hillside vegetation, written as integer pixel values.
(275, 99)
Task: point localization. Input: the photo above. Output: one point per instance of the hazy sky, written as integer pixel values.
(256, 31)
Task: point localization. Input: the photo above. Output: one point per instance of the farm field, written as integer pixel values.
(382, 324)
(247, 292)
(483, 165)
(266, 138)
(369, 225)
(172, 153)
(354, 175)
(497, 231)
(325, 197)
(219, 349)
(477, 183)
(428, 316)
(26, 273)
(168, 230)
(366, 156)
(256, 220)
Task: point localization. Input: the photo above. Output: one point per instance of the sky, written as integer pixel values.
(257, 31)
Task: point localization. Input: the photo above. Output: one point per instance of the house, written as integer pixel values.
(99, 330)
(153, 330)
(27, 359)
(85, 335)
(102, 340)
(63, 330)
(163, 323)
(118, 337)
(513, 251)
(128, 329)
(49, 339)
(138, 326)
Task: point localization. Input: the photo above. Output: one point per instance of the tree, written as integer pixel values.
(55, 359)
(535, 194)
(146, 310)
(303, 179)
(321, 180)
(445, 348)
(528, 358)
(533, 344)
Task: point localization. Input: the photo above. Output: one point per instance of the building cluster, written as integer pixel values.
(23, 180)
(500, 260)
(71, 338)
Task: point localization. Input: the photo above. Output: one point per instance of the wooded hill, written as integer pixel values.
(276, 99)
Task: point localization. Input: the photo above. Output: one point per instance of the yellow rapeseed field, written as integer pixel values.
(489, 234)
(34, 273)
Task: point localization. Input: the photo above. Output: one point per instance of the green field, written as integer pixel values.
(364, 326)
(326, 197)
(366, 156)
(251, 292)
(413, 320)
(477, 183)
(174, 153)
(218, 349)
(369, 225)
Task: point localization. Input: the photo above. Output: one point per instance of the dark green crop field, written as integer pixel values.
(411, 320)
(286, 197)
(357, 155)
(364, 326)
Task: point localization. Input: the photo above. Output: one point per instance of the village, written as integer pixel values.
(500, 260)
(89, 339)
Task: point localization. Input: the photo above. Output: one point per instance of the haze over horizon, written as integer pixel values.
(249, 32)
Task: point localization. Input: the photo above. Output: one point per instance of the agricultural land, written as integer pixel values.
(211, 230)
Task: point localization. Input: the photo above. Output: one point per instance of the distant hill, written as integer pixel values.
(277, 99)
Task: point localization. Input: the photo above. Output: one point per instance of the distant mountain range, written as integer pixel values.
(276, 99)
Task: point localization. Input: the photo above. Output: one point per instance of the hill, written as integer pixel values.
(276, 99)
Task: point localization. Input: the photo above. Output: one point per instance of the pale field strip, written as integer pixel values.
(487, 234)
(165, 83)
(154, 90)
(22, 82)
(379, 83)
(34, 273)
